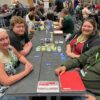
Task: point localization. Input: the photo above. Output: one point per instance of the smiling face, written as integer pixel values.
(19, 29)
(87, 28)
(18, 25)
(4, 40)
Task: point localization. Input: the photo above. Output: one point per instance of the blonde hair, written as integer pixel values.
(16, 20)
(3, 30)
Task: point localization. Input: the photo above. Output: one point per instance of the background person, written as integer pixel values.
(66, 24)
(31, 26)
(86, 12)
(32, 12)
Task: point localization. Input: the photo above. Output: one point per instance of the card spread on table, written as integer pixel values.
(49, 48)
(55, 23)
(48, 86)
(56, 27)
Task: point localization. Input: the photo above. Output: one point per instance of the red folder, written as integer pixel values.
(71, 81)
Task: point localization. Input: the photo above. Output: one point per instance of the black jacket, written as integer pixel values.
(16, 41)
(93, 40)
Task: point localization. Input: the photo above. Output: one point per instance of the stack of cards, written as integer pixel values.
(49, 48)
(55, 23)
(60, 32)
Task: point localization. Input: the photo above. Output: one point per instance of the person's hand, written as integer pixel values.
(72, 55)
(76, 56)
(28, 67)
(60, 70)
(90, 97)
(29, 44)
(26, 45)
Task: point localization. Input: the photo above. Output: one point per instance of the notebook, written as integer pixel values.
(71, 81)
(48, 87)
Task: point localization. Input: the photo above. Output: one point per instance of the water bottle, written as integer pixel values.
(46, 27)
(51, 38)
(49, 30)
(50, 25)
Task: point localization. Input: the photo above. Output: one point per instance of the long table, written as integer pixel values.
(41, 72)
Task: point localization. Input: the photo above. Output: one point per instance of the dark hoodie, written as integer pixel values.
(93, 40)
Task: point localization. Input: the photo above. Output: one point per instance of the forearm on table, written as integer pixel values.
(23, 60)
(12, 79)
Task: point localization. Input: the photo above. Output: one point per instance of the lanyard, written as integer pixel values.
(97, 59)
(84, 71)
(97, 56)
(80, 39)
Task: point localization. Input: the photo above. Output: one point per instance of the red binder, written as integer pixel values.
(71, 81)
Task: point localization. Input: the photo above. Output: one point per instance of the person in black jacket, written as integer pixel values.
(19, 35)
(84, 40)
(89, 65)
